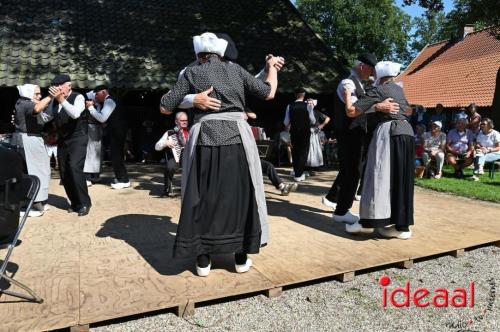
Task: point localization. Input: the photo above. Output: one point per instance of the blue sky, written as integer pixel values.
(415, 10)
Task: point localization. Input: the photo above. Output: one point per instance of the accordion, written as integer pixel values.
(177, 149)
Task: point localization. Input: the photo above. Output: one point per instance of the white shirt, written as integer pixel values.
(74, 111)
(160, 145)
(490, 140)
(348, 84)
(102, 114)
(310, 109)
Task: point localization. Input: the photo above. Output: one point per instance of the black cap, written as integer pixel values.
(100, 87)
(368, 58)
(231, 52)
(60, 79)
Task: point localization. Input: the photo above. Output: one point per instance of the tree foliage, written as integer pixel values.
(481, 13)
(351, 27)
(427, 29)
(435, 25)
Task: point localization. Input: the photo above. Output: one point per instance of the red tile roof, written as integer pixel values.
(455, 73)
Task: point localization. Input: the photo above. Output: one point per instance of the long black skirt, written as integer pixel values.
(402, 185)
(219, 211)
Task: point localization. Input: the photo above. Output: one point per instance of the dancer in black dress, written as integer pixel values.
(223, 207)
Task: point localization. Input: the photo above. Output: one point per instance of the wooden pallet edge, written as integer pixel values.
(185, 309)
(273, 292)
(80, 328)
(406, 264)
(345, 277)
(458, 253)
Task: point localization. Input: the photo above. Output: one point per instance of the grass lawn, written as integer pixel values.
(485, 189)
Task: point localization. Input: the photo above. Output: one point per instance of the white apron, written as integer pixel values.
(315, 156)
(376, 193)
(93, 157)
(37, 162)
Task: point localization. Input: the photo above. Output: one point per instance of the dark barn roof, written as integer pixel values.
(142, 44)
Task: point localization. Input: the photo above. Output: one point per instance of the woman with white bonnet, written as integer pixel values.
(387, 193)
(223, 204)
(28, 136)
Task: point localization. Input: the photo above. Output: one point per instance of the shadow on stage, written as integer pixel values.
(311, 217)
(58, 202)
(11, 271)
(155, 185)
(152, 237)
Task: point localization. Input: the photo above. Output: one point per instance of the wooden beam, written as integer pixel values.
(80, 328)
(274, 292)
(458, 253)
(345, 277)
(408, 264)
(185, 309)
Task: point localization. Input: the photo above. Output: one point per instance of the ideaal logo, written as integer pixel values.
(422, 297)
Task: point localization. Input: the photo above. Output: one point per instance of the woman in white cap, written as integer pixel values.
(487, 146)
(223, 204)
(387, 193)
(28, 136)
(434, 148)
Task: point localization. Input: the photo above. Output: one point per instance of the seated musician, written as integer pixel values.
(167, 141)
(270, 171)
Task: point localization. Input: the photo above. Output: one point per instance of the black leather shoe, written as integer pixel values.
(73, 208)
(84, 210)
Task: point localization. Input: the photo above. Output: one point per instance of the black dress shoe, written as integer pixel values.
(73, 208)
(83, 211)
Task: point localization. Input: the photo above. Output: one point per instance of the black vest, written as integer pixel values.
(116, 120)
(341, 122)
(68, 127)
(299, 117)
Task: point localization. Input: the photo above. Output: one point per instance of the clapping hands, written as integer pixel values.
(56, 93)
(274, 61)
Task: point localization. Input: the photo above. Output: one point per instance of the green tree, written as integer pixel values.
(351, 27)
(427, 29)
(481, 13)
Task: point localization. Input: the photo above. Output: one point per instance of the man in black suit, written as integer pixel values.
(65, 109)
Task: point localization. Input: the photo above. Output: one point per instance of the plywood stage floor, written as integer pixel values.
(117, 261)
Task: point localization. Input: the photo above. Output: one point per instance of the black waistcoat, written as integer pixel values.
(299, 117)
(68, 127)
(116, 120)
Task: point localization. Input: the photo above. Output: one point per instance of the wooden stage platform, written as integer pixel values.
(118, 261)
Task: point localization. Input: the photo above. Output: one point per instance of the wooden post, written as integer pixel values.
(80, 328)
(345, 277)
(274, 292)
(185, 309)
(408, 264)
(458, 253)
